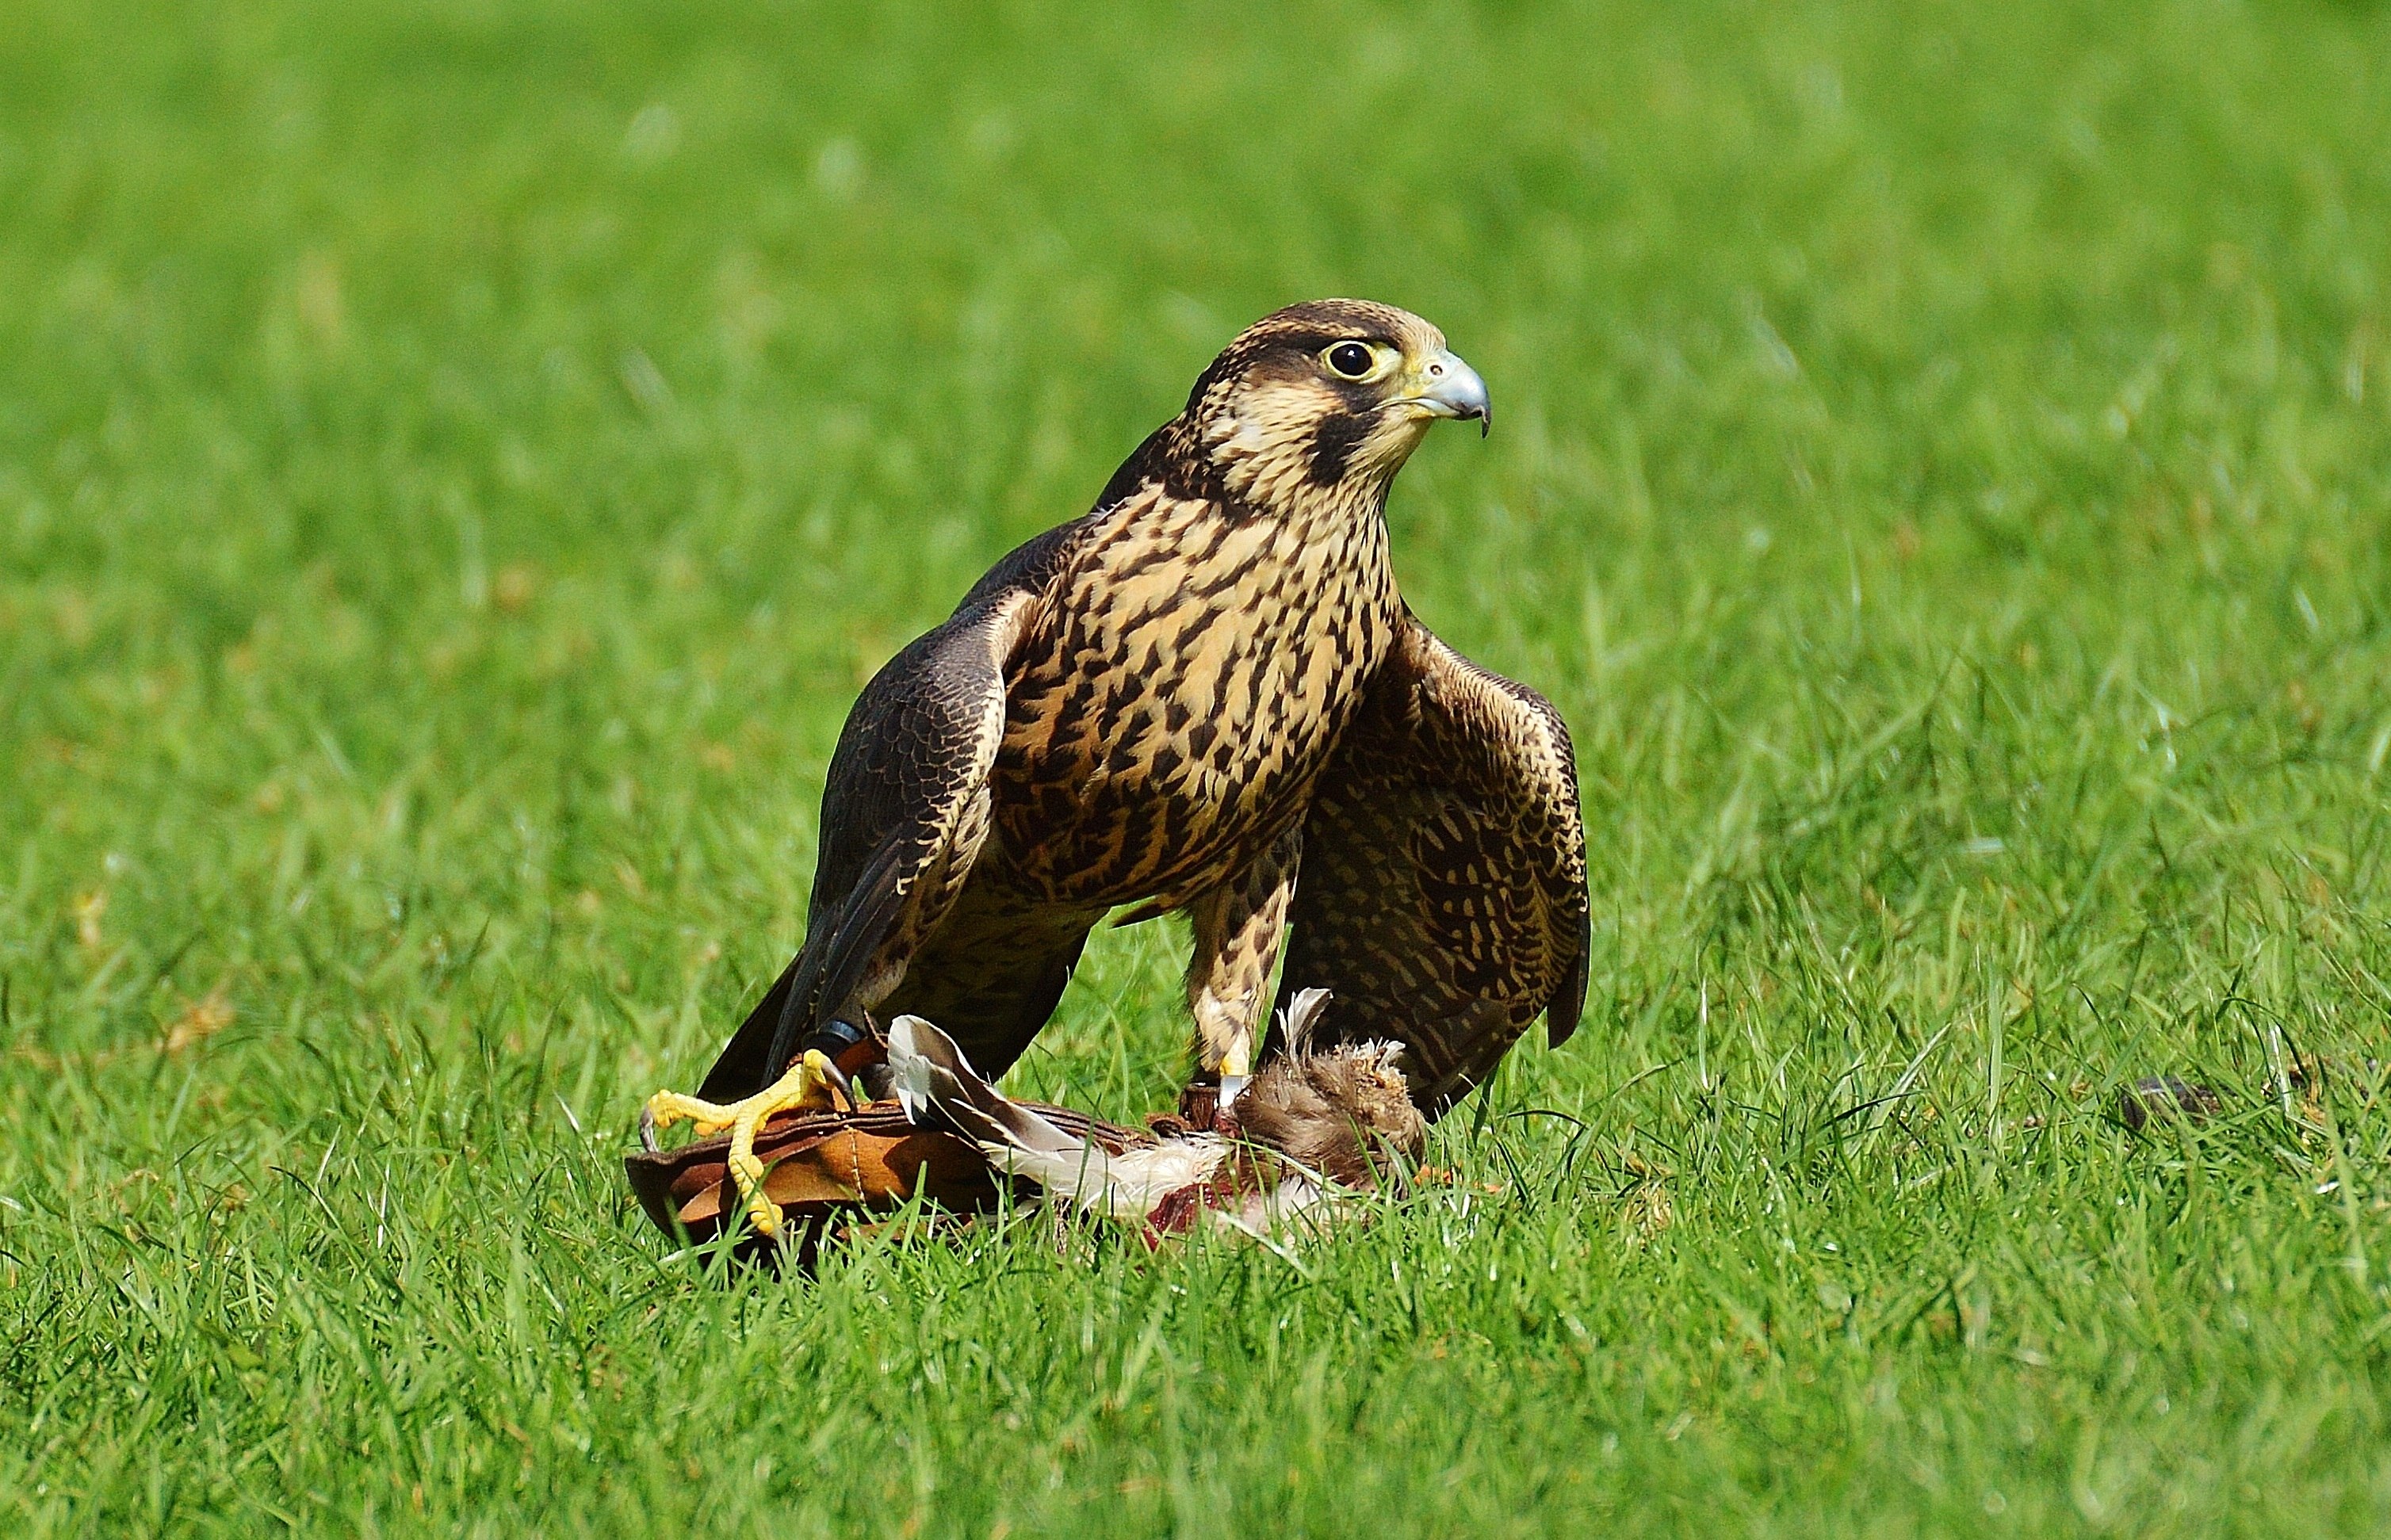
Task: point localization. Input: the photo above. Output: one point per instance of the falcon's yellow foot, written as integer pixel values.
(806, 1088)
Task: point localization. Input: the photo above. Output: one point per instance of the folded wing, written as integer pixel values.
(903, 815)
(1442, 899)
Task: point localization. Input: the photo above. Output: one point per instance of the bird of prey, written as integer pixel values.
(1314, 1121)
(1204, 696)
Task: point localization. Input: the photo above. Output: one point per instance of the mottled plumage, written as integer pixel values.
(1207, 695)
(1444, 897)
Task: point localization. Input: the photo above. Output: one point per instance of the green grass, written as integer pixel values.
(458, 461)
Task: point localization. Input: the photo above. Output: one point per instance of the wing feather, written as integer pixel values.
(911, 768)
(1444, 895)
(936, 1084)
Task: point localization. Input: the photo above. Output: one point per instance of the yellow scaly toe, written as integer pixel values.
(806, 1088)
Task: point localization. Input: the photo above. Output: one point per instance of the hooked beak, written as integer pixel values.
(1450, 388)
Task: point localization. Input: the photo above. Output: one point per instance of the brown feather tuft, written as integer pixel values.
(1344, 1112)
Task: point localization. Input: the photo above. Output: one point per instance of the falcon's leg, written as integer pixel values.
(1239, 926)
(807, 1087)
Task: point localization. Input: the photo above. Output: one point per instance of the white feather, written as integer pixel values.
(1295, 1023)
(935, 1083)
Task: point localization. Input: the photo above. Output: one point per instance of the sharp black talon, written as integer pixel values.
(840, 1084)
(835, 1038)
(647, 1128)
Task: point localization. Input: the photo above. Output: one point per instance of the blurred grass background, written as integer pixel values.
(458, 461)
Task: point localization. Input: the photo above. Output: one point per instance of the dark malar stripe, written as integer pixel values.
(1333, 444)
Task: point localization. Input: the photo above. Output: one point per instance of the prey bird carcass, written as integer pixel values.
(1316, 1128)
(1206, 696)
(1313, 1125)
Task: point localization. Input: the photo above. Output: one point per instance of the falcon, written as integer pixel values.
(1203, 696)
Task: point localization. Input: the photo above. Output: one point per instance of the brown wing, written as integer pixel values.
(904, 807)
(1442, 900)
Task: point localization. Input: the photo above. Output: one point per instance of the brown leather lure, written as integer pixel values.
(831, 1170)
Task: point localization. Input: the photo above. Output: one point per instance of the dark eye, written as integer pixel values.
(1350, 359)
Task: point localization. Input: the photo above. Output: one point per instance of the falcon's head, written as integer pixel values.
(1332, 395)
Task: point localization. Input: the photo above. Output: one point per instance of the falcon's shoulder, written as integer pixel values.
(925, 731)
(1443, 898)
